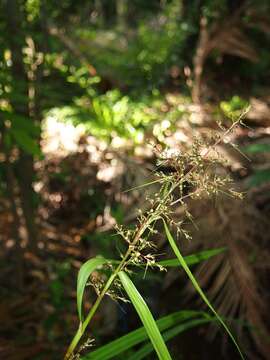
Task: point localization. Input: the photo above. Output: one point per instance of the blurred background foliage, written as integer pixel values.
(89, 92)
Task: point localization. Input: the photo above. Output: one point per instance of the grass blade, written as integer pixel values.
(190, 259)
(85, 271)
(146, 317)
(116, 347)
(257, 148)
(193, 259)
(168, 335)
(143, 185)
(196, 285)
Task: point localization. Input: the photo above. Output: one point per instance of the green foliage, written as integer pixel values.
(196, 285)
(186, 318)
(139, 243)
(57, 285)
(84, 273)
(80, 76)
(260, 177)
(234, 107)
(108, 115)
(145, 316)
(58, 41)
(114, 113)
(157, 47)
(24, 140)
(176, 322)
(193, 259)
(32, 8)
(22, 132)
(257, 148)
(133, 338)
(141, 58)
(169, 334)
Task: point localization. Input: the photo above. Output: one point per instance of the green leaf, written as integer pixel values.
(85, 271)
(193, 259)
(116, 347)
(260, 177)
(168, 335)
(97, 109)
(257, 148)
(7, 140)
(196, 285)
(27, 143)
(25, 124)
(22, 123)
(190, 259)
(146, 317)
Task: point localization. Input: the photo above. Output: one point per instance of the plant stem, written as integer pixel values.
(153, 216)
(83, 326)
(141, 229)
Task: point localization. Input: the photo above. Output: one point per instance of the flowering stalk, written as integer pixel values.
(159, 210)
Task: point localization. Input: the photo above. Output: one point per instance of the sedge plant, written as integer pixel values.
(197, 168)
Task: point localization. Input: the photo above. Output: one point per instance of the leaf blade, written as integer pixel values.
(257, 148)
(169, 334)
(146, 317)
(135, 337)
(85, 271)
(197, 286)
(193, 259)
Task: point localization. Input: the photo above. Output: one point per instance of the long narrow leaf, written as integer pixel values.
(146, 317)
(168, 335)
(190, 259)
(257, 148)
(125, 342)
(193, 259)
(85, 271)
(196, 285)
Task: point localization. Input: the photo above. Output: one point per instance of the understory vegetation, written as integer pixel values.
(135, 167)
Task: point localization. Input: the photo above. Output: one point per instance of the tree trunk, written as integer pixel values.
(20, 106)
(200, 56)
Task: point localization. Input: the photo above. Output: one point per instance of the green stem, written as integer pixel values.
(91, 313)
(141, 230)
(83, 326)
